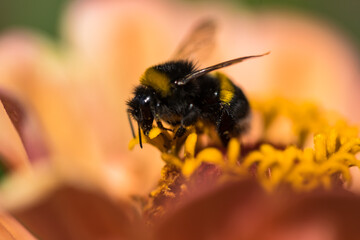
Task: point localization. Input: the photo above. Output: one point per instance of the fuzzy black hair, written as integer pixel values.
(176, 69)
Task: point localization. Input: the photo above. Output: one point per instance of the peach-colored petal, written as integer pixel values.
(113, 47)
(36, 78)
(32, 75)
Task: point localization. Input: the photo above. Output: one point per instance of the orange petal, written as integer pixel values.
(11, 229)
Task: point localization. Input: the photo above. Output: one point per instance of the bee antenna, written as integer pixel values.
(140, 135)
(131, 126)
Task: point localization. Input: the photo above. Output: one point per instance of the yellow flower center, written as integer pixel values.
(322, 166)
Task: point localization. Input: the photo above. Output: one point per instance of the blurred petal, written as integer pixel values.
(37, 87)
(26, 127)
(229, 212)
(22, 64)
(75, 213)
(323, 215)
(244, 211)
(11, 148)
(11, 229)
(113, 47)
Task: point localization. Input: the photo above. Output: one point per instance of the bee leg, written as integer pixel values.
(160, 125)
(189, 119)
(180, 132)
(225, 127)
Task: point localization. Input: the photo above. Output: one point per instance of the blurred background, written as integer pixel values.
(44, 15)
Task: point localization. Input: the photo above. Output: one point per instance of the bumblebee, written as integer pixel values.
(180, 94)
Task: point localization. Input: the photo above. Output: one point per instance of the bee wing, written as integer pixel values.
(199, 43)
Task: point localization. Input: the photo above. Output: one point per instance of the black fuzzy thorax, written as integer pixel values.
(175, 70)
(172, 107)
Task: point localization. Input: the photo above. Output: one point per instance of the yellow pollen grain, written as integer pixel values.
(226, 88)
(157, 80)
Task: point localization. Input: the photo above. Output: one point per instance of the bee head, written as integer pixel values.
(140, 108)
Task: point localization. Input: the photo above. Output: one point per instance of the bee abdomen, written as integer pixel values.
(227, 88)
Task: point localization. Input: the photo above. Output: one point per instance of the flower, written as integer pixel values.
(325, 166)
(65, 147)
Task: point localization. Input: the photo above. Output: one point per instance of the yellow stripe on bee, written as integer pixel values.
(226, 88)
(157, 80)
